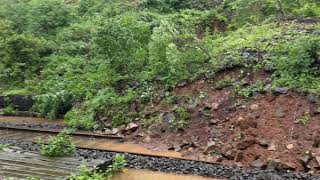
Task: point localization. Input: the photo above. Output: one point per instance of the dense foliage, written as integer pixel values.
(103, 59)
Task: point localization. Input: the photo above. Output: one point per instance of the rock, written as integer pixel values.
(230, 154)
(226, 148)
(132, 127)
(276, 164)
(239, 156)
(167, 117)
(254, 107)
(217, 158)
(287, 165)
(280, 90)
(313, 164)
(98, 132)
(213, 106)
(115, 131)
(262, 142)
(313, 98)
(108, 132)
(141, 134)
(290, 146)
(147, 139)
(273, 164)
(175, 147)
(248, 123)
(245, 144)
(210, 147)
(316, 139)
(214, 121)
(260, 163)
(280, 113)
(272, 147)
(317, 158)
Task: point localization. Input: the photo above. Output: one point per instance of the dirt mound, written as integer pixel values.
(271, 130)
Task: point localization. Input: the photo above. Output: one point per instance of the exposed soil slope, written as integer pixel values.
(275, 130)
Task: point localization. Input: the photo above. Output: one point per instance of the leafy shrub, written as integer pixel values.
(297, 64)
(57, 146)
(85, 174)
(226, 82)
(9, 110)
(304, 119)
(247, 92)
(21, 57)
(77, 118)
(180, 120)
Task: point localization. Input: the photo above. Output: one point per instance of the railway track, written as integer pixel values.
(99, 146)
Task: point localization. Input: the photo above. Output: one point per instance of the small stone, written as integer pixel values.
(280, 113)
(280, 90)
(272, 147)
(289, 146)
(254, 107)
(147, 139)
(230, 154)
(141, 134)
(98, 132)
(132, 127)
(115, 130)
(317, 158)
(210, 147)
(214, 121)
(262, 142)
(215, 106)
(248, 123)
(259, 163)
(167, 117)
(273, 164)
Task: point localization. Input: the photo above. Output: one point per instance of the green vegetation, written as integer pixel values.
(304, 119)
(9, 110)
(57, 146)
(3, 146)
(180, 120)
(246, 92)
(85, 174)
(89, 60)
(226, 82)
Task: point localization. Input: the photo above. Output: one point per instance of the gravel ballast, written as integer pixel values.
(177, 166)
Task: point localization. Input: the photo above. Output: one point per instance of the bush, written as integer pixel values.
(22, 57)
(297, 64)
(85, 174)
(57, 146)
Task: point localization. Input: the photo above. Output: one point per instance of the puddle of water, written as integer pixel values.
(150, 175)
(112, 145)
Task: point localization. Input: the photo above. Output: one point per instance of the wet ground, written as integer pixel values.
(132, 174)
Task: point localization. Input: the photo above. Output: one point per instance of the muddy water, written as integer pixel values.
(113, 145)
(150, 175)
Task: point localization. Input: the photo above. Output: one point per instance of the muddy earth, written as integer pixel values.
(277, 129)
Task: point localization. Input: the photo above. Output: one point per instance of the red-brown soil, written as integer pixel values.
(263, 132)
